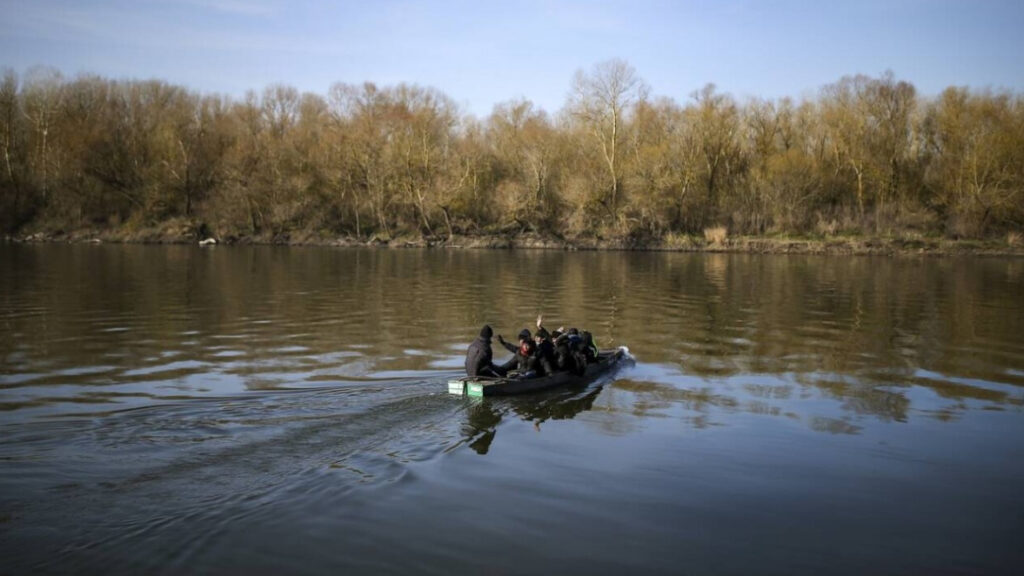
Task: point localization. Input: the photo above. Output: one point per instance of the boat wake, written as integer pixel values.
(181, 473)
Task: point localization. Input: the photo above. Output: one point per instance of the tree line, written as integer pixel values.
(866, 155)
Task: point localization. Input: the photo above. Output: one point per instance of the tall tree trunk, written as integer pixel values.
(448, 222)
(860, 191)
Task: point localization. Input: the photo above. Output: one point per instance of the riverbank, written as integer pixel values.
(840, 245)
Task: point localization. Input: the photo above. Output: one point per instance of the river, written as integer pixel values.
(172, 409)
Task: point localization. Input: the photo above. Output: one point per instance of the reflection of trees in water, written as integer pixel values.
(485, 414)
(655, 399)
(873, 321)
(310, 314)
(862, 397)
(885, 399)
(833, 426)
(769, 391)
(762, 408)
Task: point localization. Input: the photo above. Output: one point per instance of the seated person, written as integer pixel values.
(545, 352)
(479, 357)
(525, 359)
(588, 347)
(570, 350)
(567, 354)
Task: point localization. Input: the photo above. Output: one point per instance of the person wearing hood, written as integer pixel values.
(480, 357)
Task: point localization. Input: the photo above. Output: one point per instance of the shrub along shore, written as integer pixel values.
(866, 165)
(714, 240)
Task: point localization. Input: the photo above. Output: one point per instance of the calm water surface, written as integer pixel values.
(268, 410)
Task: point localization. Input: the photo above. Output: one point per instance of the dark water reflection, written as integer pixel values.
(177, 410)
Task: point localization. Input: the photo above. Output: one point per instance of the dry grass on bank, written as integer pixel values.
(717, 235)
(713, 239)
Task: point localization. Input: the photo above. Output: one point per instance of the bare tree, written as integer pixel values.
(601, 101)
(390, 160)
(43, 91)
(716, 121)
(9, 111)
(522, 141)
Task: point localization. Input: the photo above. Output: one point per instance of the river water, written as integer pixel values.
(169, 410)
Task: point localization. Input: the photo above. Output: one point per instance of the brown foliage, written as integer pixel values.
(867, 156)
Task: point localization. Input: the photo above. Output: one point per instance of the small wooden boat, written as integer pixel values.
(479, 386)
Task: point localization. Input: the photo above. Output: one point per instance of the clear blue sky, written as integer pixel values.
(483, 52)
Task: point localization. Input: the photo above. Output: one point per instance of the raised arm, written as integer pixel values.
(511, 348)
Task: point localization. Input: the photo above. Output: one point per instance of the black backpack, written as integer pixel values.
(588, 345)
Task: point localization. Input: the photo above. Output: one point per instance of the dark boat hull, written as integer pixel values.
(479, 386)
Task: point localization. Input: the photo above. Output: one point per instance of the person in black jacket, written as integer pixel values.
(525, 359)
(566, 356)
(545, 352)
(479, 357)
(589, 347)
(565, 349)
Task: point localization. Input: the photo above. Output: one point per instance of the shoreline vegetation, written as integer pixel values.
(867, 166)
(714, 241)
